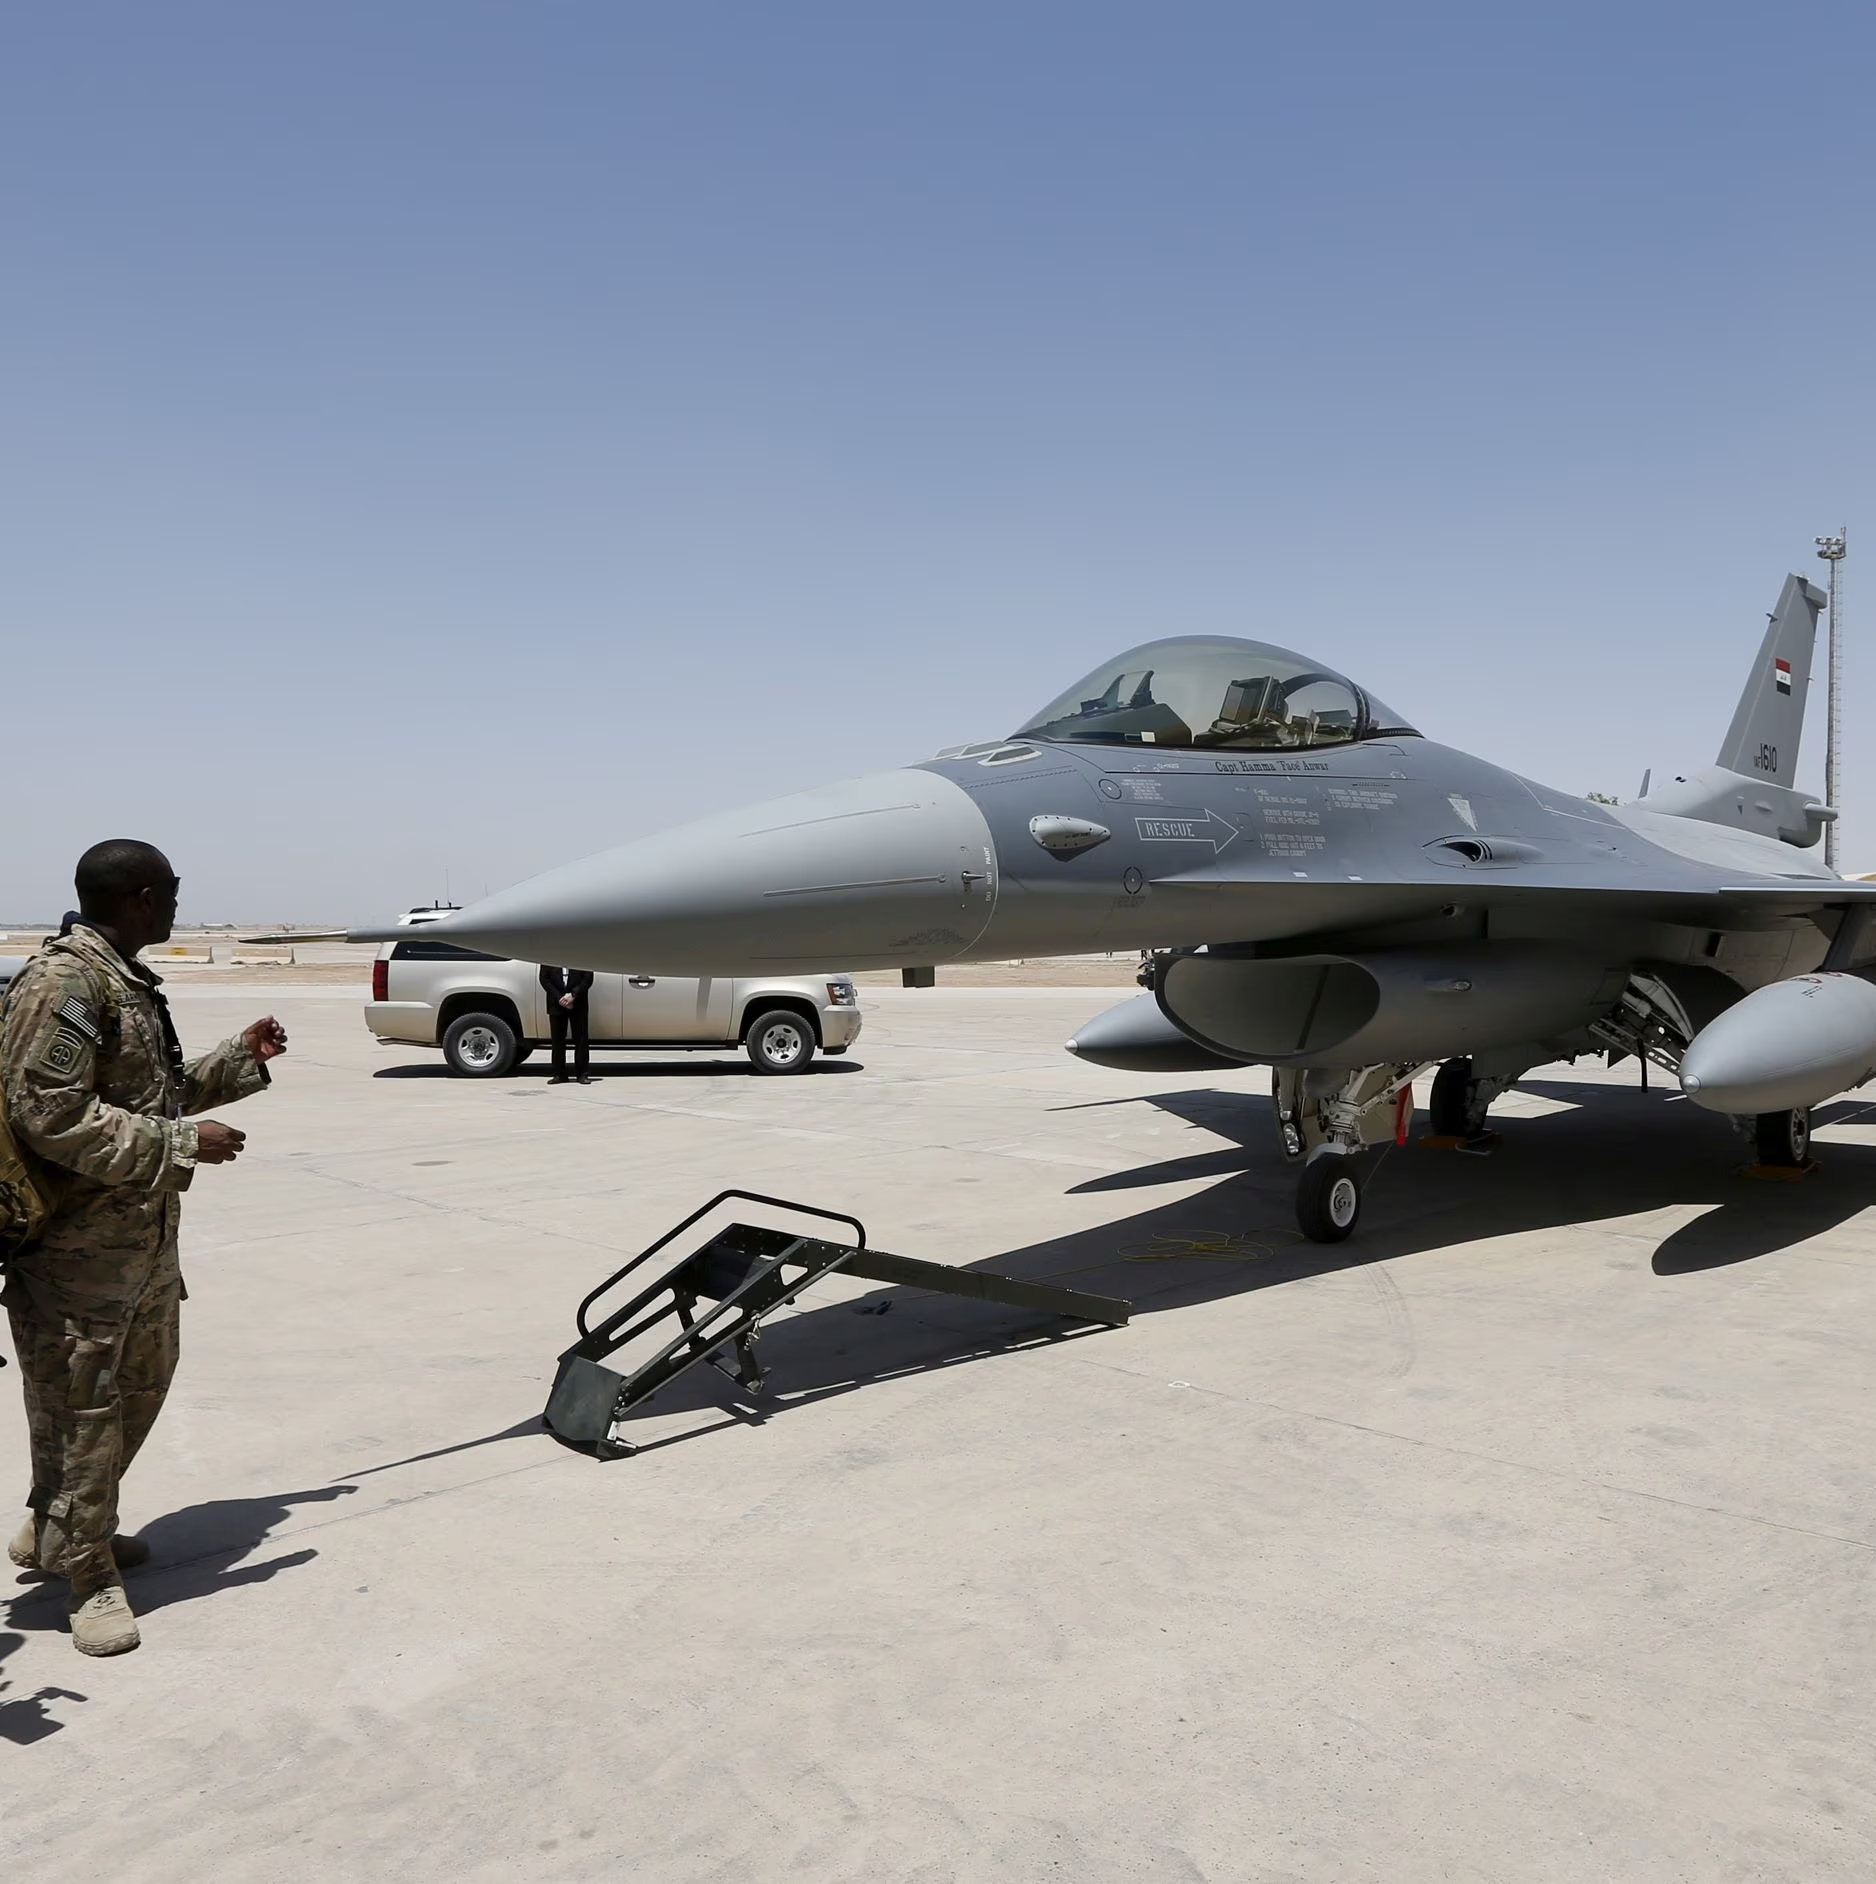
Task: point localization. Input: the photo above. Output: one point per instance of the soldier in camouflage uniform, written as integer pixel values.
(95, 1085)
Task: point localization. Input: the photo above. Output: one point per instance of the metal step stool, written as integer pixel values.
(719, 1294)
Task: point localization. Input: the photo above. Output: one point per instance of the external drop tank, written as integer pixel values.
(1785, 1047)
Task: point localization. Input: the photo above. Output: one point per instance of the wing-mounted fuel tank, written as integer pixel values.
(1785, 1047)
(1391, 1005)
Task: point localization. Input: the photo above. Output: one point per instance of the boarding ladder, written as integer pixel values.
(719, 1295)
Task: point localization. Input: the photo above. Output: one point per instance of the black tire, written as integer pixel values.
(480, 1046)
(1784, 1138)
(1328, 1199)
(779, 1041)
(1449, 1105)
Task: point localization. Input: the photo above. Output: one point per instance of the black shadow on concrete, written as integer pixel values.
(1614, 1153)
(520, 1430)
(26, 1718)
(194, 1552)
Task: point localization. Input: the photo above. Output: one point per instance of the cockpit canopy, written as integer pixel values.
(1210, 691)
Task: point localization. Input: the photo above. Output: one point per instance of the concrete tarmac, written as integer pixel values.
(1529, 1536)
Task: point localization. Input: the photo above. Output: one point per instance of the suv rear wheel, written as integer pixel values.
(480, 1046)
(779, 1041)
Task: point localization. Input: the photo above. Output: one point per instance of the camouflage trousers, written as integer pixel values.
(94, 1373)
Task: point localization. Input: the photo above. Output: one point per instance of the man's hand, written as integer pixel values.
(266, 1040)
(566, 1000)
(216, 1143)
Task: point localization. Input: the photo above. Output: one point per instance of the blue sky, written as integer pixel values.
(443, 440)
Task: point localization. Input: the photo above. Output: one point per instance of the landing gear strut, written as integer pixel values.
(1457, 1104)
(1462, 1096)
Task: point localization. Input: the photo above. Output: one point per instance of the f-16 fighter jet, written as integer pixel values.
(1319, 889)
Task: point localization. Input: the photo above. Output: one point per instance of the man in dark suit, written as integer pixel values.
(566, 990)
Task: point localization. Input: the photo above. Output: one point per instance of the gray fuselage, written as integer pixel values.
(1391, 840)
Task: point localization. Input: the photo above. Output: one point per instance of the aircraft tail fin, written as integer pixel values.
(1753, 784)
(1762, 741)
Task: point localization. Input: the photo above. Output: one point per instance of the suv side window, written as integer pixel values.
(435, 950)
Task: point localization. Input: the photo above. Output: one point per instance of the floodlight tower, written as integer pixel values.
(1832, 549)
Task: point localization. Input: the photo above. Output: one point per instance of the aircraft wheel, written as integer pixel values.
(1450, 1104)
(1328, 1199)
(1784, 1138)
(780, 1041)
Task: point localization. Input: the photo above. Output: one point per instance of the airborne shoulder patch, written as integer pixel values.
(63, 1054)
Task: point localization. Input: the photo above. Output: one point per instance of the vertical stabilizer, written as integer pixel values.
(1762, 741)
(1752, 786)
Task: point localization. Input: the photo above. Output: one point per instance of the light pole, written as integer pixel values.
(1832, 550)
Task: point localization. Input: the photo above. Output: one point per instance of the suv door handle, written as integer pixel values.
(640, 981)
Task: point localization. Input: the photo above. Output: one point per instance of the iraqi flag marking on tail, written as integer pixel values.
(1781, 672)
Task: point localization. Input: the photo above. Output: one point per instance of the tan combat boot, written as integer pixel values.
(126, 1552)
(102, 1622)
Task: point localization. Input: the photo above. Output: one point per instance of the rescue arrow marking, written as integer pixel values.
(1210, 829)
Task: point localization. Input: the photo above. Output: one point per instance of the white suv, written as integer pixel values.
(488, 1013)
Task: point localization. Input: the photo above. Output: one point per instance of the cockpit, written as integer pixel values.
(1209, 691)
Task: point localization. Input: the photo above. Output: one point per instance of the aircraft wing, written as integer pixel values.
(1688, 894)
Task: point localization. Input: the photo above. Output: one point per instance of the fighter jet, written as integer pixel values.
(1315, 887)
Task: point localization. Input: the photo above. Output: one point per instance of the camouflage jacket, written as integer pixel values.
(94, 1083)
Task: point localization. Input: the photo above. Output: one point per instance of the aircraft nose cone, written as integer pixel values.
(894, 869)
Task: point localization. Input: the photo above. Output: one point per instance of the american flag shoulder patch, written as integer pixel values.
(1781, 672)
(74, 1013)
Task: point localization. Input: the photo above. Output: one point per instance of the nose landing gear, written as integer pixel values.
(1325, 1116)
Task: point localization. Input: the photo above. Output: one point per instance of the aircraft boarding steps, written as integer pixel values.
(719, 1295)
